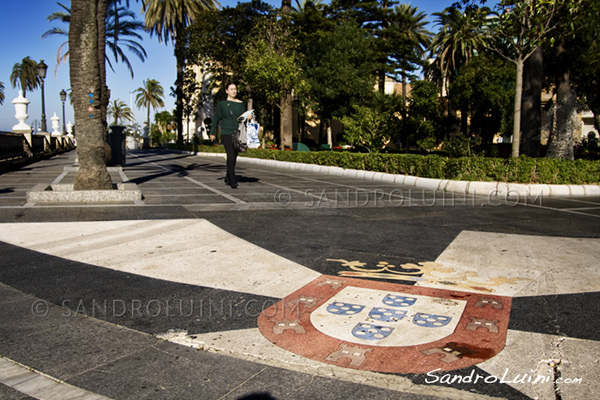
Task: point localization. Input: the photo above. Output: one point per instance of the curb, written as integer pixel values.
(491, 189)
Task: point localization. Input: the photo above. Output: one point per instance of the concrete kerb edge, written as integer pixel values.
(64, 193)
(491, 189)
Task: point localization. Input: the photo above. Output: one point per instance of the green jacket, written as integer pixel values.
(225, 118)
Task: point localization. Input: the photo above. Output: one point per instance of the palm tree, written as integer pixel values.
(121, 27)
(301, 5)
(411, 25)
(460, 38)
(167, 19)
(150, 95)
(120, 112)
(24, 75)
(87, 70)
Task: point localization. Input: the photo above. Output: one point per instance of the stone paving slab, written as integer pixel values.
(553, 319)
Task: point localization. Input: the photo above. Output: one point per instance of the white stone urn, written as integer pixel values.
(69, 129)
(21, 115)
(55, 125)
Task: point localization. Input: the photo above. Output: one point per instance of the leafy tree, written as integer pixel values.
(167, 19)
(373, 125)
(162, 130)
(271, 70)
(423, 119)
(518, 30)
(24, 75)
(151, 95)
(485, 87)
(120, 112)
(217, 38)
(121, 25)
(340, 71)
(573, 70)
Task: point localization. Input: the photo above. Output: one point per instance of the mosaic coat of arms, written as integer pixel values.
(387, 327)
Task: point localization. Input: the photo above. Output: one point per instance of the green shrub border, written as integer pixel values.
(519, 170)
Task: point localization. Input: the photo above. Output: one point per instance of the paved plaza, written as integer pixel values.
(301, 283)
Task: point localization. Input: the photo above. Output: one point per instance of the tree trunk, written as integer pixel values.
(516, 141)
(560, 143)
(90, 94)
(404, 95)
(179, 91)
(531, 108)
(286, 125)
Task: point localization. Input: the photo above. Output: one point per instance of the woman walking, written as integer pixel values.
(226, 115)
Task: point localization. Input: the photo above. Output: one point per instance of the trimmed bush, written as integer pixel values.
(519, 170)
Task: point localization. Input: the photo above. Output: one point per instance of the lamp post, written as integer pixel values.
(63, 97)
(41, 72)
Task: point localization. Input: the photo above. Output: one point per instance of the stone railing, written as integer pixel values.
(17, 146)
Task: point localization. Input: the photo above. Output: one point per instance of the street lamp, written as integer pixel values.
(41, 72)
(63, 97)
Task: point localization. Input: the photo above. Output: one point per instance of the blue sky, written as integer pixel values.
(22, 23)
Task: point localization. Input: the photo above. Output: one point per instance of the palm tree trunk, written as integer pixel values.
(86, 65)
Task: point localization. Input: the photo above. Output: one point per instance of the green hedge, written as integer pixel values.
(201, 148)
(522, 169)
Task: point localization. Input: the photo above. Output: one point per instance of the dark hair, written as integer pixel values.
(229, 84)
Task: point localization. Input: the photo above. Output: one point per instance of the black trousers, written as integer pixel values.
(231, 157)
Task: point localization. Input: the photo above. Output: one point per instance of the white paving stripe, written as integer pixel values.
(250, 344)
(34, 384)
(527, 364)
(188, 251)
(547, 265)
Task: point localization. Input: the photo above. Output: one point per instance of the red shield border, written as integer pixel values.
(480, 334)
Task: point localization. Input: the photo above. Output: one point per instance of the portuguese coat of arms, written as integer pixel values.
(387, 327)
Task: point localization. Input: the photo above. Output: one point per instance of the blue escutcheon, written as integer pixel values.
(339, 308)
(393, 300)
(371, 332)
(431, 320)
(386, 314)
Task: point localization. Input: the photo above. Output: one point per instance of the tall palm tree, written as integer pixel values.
(301, 5)
(150, 95)
(166, 19)
(120, 112)
(121, 29)
(461, 36)
(24, 75)
(87, 70)
(414, 38)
